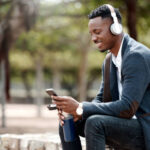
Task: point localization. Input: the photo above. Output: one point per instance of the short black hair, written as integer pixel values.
(104, 12)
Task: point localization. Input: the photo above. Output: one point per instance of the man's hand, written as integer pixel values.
(76, 118)
(62, 117)
(66, 104)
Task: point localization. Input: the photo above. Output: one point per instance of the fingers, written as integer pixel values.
(61, 117)
(67, 104)
(58, 98)
(75, 119)
(61, 107)
(61, 122)
(59, 111)
(60, 104)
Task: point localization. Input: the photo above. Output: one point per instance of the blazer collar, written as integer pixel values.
(125, 44)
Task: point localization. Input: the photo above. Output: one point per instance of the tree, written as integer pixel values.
(131, 17)
(19, 18)
(62, 33)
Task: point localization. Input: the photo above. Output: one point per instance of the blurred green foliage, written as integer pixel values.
(60, 35)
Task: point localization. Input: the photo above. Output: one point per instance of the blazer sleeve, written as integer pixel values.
(135, 81)
(99, 96)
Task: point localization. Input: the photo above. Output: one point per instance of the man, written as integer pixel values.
(119, 116)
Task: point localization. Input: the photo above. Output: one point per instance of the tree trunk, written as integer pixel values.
(27, 86)
(131, 17)
(83, 76)
(84, 50)
(56, 79)
(2, 96)
(20, 17)
(7, 79)
(39, 86)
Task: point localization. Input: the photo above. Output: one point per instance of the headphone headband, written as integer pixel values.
(116, 27)
(113, 13)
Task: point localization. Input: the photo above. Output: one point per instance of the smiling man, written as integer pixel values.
(119, 116)
(101, 35)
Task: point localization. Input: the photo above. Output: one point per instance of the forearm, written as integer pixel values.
(118, 108)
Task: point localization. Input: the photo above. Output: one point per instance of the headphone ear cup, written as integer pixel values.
(116, 28)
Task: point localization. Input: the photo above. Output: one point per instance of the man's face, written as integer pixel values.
(100, 33)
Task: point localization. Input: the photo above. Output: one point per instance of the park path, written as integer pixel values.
(22, 118)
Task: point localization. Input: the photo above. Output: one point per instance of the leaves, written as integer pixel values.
(60, 38)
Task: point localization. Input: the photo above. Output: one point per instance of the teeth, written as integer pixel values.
(98, 42)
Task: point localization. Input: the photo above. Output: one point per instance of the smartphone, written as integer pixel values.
(51, 92)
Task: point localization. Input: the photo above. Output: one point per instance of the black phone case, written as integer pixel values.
(51, 107)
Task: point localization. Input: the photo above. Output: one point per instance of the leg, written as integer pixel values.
(75, 145)
(125, 134)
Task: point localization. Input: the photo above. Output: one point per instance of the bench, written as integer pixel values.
(45, 141)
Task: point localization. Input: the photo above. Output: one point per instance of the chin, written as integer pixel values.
(102, 50)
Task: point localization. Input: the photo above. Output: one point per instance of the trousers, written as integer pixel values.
(102, 130)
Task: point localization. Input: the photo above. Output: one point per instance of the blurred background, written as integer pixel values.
(46, 44)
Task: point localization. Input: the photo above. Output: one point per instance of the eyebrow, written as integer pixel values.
(96, 30)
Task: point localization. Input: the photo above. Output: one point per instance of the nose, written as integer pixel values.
(94, 38)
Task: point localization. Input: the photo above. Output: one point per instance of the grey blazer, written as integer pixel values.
(135, 98)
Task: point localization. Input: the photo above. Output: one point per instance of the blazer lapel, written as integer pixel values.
(125, 49)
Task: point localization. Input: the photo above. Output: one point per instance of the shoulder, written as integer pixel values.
(138, 55)
(135, 50)
(136, 62)
(134, 46)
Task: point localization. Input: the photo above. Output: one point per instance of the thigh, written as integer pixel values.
(122, 133)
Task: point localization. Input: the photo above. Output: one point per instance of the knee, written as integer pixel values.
(94, 124)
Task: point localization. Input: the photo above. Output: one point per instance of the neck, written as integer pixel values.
(117, 45)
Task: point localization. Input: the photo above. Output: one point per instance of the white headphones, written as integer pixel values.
(116, 27)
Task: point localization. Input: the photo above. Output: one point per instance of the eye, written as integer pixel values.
(97, 32)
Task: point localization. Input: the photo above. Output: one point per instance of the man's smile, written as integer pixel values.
(98, 44)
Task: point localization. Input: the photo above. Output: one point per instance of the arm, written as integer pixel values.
(136, 79)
